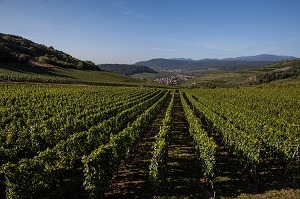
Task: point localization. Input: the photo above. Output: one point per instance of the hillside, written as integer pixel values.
(222, 64)
(167, 64)
(17, 49)
(126, 69)
(22, 60)
(287, 71)
(278, 71)
(262, 57)
(34, 74)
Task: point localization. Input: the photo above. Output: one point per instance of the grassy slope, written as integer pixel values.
(25, 73)
(22, 60)
(126, 69)
(16, 49)
(152, 75)
(223, 78)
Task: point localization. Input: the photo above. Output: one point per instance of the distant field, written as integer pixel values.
(151, 75)
(25, 73)
(285, 71)
(219, 78)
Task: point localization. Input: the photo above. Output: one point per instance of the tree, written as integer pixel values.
(43, 59)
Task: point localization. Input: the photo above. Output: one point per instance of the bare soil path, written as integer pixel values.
(184, 177)
(133, 176)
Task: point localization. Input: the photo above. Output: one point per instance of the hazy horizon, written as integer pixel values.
(131, 31)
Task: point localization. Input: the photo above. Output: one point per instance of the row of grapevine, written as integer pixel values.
(276, 107)
(55, 107)
(10, 75)
(205, 145)
(27, 142)
(114, 124)
(47, 168)
(246, 146)
(121, 104)
(116, 101)
(158, 162)
(100, 165)
(66, 76)
(27, 108)
(281, 140)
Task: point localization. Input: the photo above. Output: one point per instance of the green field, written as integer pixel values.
(30, 73)
(130, 142)
(285, 71)
(151, 75)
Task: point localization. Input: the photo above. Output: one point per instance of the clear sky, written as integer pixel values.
(127, 31)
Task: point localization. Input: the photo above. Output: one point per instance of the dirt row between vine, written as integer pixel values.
(233, 179)
(132, 179)
(183, 177)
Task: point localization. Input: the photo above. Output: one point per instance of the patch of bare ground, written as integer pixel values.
(282, 69)
(41, 64)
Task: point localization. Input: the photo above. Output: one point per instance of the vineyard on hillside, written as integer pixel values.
(63, 141)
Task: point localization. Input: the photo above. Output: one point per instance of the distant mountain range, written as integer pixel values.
(262, 57)
(16, 49)
(182, 59)
(225, 64)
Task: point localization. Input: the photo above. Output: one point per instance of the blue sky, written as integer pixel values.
(127, 31)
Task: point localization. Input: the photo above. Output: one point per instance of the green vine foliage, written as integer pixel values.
(244, 145)
(96, 170)
(158, 162)
(204, 144)
(46, 169)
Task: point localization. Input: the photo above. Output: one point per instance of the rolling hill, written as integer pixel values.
(223, 64)
(17, 49)
(126, 69)
(22, 60)
(283, 71)
(278, 71)
(262, 57)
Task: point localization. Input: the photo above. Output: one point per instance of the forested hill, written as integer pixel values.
(278, 71)
(224, 64)
(16, 49)
(126, 69)
(169, 64)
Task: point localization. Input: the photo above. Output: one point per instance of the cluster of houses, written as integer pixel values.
(171, 80)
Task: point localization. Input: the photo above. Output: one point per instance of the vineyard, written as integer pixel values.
(64, 141)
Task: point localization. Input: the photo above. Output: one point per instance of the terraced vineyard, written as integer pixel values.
(117, 142)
